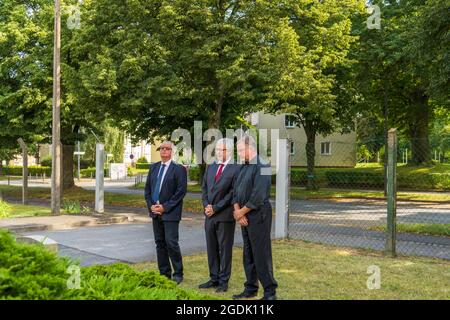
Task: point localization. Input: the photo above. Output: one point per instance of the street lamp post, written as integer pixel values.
(56, 114)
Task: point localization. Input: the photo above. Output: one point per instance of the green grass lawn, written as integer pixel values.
(5, 178)
(313, 271)
(21, 211)
(420, 228)
(325, 193)
(403, 168)
(86, 196)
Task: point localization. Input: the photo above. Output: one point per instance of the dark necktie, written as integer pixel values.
(158, 184)
(219, 173)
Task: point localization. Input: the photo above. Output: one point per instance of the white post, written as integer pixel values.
(282, 190)
(24, 171)
(99, 177)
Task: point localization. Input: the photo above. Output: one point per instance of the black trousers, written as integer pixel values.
(219, 245)
(167, 247)
(258, 252)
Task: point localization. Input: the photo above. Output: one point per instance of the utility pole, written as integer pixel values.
(56, 113)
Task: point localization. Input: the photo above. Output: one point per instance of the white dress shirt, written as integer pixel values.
(167, 164)
(224, 165)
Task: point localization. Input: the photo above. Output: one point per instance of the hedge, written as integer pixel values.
(33, 170)
(194, 173)
(84, 164)
(90, 172)
(142, 165)
(424, 181)
(31, 272)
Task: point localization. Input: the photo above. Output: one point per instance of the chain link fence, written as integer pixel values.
(347, 205)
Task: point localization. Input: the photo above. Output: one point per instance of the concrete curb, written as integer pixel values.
(99, 221)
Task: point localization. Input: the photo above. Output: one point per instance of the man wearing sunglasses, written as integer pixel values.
(165, 189)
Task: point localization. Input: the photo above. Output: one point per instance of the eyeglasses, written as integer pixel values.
(165, 149)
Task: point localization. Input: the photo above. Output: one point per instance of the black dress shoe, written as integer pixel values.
(269, 297)
(222, 288)
(178, 280)
(209, 284)
(244, 295)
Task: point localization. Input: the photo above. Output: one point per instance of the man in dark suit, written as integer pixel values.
(217, 188)
(253, 211)
(165, 189)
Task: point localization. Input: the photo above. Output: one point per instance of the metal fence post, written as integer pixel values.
(282, 190)
(391, 193)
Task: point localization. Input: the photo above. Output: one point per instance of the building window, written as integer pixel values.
(289, 121)
(292, 148)
(325, 148)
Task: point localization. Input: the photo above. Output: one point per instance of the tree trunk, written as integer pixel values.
(214, 122)
(310, 154)
(418, 130)
(37, 155)
(67, 166)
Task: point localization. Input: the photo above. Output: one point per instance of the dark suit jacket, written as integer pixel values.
(219, 194)
(172, 192)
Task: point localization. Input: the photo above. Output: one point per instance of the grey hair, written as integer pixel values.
(172, 145)
(226, 142)
(248, 141)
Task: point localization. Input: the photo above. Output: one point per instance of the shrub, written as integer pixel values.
(32, 272)
(142, 160)
(74, 207)
(355, 179)
(46, 162)
(424, 181)
(142, 165)
(5, 209)
(194, 173)
(33, 170)
(90, 172)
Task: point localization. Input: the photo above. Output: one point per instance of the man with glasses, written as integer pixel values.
(217, 188)
(165, 189)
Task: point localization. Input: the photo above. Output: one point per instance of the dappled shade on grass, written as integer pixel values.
(313, 271)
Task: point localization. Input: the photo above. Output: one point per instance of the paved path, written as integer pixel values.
(132, 243)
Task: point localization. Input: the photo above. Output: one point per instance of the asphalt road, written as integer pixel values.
(131, 243)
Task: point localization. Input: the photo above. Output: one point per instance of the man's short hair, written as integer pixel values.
(168, 142)
(226, 142)
(248, 141)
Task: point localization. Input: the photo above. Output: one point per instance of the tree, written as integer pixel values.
(23, 104)
(26, 38)
(160, 65)
(313, 43)
(398, 65)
